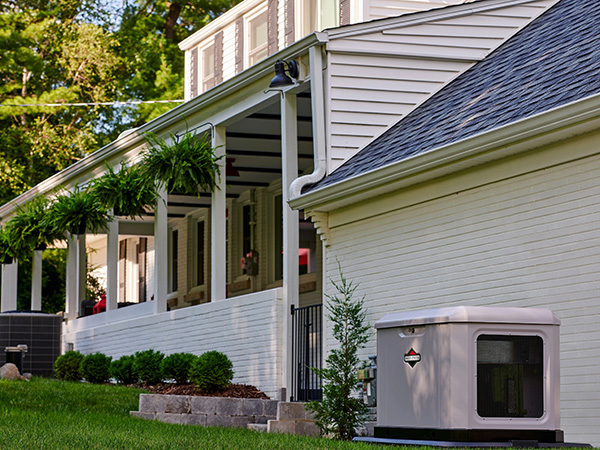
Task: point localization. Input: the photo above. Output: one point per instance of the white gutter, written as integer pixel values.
(551, 126)
(318, 124)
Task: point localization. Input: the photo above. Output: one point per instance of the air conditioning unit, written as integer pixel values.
(469, 374)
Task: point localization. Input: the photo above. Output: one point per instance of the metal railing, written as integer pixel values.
(307, 352)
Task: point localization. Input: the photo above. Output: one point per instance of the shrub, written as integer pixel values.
(95, 368)
(67, 366)
(341, 412)
(177, 366)
(212, 371)
(122, 370)
(147, 366)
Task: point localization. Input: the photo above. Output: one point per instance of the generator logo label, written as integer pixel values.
(412, 358)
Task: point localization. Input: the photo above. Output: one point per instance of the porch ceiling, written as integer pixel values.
(254, 145)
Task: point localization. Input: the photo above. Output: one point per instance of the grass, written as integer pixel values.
(56, 415)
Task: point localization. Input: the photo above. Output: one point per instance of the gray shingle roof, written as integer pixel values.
(553, 61)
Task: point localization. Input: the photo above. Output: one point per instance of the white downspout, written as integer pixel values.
(318, 124)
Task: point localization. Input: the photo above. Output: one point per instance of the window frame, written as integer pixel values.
(250, 53)
(207, 82)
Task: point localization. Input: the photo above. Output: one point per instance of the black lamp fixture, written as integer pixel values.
(281, 79)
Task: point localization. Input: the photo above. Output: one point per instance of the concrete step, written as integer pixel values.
(258, 427)
(299, 427)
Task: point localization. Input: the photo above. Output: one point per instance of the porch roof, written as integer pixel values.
(552, 62)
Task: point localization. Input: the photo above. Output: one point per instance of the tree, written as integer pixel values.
(340, 412)
(148, 37)
(71, 51)
(50, 56)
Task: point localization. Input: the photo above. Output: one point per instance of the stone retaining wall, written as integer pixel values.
(206, 411)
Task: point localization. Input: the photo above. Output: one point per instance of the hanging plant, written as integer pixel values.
(186, 165)
(7, 251)
(31, 227)
(128, 192)
(78, 213)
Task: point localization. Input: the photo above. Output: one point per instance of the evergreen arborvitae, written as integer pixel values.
(341, 412)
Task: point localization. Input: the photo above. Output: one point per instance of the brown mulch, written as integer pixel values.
(234, 390)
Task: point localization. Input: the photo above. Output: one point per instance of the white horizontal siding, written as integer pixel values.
(370, 93)
(528, 241)
(375, 78)
(247, 329)
(377, 9)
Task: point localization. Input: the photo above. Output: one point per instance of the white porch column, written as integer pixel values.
(10, 274)
(218, 248)
(112, 264)
(81, 270)
(36, 281)
(289, 168)
(72, 274)
(161, 253)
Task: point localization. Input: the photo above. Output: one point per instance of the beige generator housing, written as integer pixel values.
(468, 374)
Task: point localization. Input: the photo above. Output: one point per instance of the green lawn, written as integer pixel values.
(55, 415)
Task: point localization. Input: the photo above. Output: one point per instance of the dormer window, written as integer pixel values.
(208, 67)
(257, 38)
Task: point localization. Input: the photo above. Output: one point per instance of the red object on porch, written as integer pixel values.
(303, 255)
(101, 305)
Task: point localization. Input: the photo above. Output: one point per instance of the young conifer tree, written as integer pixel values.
(341, 412)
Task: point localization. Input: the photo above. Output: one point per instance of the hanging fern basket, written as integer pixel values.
(187, 164)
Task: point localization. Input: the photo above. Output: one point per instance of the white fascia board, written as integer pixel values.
(417, 18)
(165, 122)
(219, 23)
(552, 126)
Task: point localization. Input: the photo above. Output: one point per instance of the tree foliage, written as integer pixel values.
(83, 51)
(71, 51)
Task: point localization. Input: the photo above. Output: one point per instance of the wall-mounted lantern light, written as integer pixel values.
(281, 79)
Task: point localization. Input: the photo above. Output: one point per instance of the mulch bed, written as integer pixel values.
(234, 390)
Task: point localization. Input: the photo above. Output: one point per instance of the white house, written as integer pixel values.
(398, 222)
(487, 194)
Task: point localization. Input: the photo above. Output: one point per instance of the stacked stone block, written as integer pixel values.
(206, 411)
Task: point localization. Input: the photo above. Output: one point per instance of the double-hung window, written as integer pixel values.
(257, 38)
(208, 67)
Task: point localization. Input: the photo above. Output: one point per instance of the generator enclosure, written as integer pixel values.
(469, 373)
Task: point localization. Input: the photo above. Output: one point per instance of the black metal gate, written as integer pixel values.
(307, 352)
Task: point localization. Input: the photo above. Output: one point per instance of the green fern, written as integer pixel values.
(127, 192)
(187, 165)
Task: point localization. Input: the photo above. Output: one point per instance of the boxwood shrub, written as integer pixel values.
(95, 368)
(212, 371)
(177, 367)
(122, 370)
(147, 366)
(67, 366)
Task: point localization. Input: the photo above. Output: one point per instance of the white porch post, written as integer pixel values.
(81, 270)
(72, 274)
(112, 264)
(289, 168)
(218, 248)
(36, 281)
(10, 274)
(161, 267)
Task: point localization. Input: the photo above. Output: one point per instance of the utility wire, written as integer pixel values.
(132, 102)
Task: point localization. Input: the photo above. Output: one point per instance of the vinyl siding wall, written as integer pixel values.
(375, 79)
(529, 240)
(255, 347)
